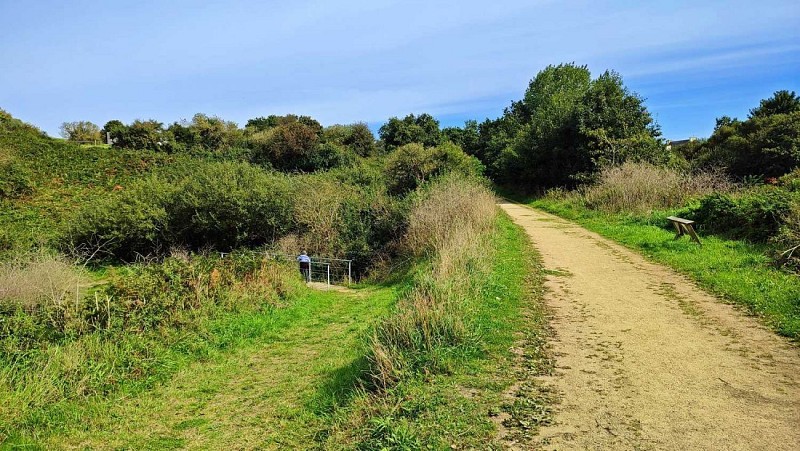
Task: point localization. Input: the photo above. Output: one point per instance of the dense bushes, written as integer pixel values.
(227, 205)
(217, 205)
(288, 143)
(412, 164)
(756, 215)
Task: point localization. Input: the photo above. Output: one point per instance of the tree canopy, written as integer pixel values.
(80, 131)
(422, 129)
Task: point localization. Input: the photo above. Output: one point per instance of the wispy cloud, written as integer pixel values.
(351, 60)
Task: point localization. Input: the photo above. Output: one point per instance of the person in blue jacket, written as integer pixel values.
(305, 266)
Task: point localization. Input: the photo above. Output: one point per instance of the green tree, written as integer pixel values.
(411, 165)
(149, 134)
(206, 133)
(357, 137)
(467, 138)
(782, 102)
(288, 146)
(545, 152)
(767, 144)
(116, 129)
(614, 126)
(80, 131)
(565, 128)
(361, 140)
(422, 129)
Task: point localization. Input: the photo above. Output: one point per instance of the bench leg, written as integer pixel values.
(693, 234)
(678, 230)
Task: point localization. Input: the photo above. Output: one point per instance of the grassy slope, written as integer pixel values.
(738, 271)
(289, 382)
(63, 177)
(268, 389)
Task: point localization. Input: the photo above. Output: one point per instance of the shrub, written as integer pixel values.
(218, 205)
(357, 137)
(755, 215)
(80, 131)
(288, 146)
(15, 178)
(641, 187)
(45, 286)
(411, 165)
(791, 181)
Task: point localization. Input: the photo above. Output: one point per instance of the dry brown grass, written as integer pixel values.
(640, 187)
(454, 210)
(317, 211)
(41, 281)
(449, 224)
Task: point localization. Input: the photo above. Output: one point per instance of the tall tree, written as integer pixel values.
(614, 125)
(782, 102)
(422, 129)
(80, 131)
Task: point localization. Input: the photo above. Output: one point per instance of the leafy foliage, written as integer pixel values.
(222, 205)
(422, 129)
(565, 129)
(412, 164)
(782, 102)
(766, 145)
(756, 215)
(80, 131)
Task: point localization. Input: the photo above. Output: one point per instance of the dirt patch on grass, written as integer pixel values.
(646, 360)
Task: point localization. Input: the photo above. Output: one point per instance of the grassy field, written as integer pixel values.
(738, 271)
(270, 391)
(295, 377)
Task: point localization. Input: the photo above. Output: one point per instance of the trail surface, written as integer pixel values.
(646, 360)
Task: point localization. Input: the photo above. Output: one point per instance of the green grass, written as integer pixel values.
(290, 378)
(267, 380)
(458, 407)
(738, 271)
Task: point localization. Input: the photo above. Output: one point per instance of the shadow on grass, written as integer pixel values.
(339, 387)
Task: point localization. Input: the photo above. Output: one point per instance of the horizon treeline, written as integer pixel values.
(564, 130)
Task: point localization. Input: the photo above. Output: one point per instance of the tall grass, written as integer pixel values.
(641, 187)
(40, 281)
(132, 331)
(431, 324)
(45, 285)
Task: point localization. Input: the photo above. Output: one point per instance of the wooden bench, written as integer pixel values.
(684, 227)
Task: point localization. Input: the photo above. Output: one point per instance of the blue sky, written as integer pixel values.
(347, 61)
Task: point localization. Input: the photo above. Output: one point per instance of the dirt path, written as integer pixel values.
(645, 360)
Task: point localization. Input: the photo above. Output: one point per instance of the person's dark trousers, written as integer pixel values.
(305, 271)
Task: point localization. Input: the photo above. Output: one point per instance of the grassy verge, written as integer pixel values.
(289, 378)
(266, 382)
(461, 401)
(738, 271)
